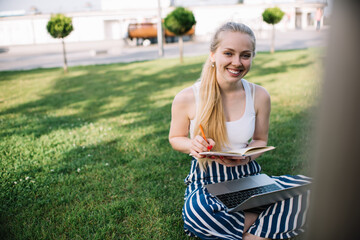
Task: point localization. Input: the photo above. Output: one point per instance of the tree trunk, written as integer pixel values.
(64, 54)
(272, 50)
(160, 31)
(181, 47)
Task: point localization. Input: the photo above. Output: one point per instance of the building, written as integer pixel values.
(110, 22)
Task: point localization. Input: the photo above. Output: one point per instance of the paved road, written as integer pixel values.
(104, 52)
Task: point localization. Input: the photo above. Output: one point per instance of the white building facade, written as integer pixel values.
(112, 21)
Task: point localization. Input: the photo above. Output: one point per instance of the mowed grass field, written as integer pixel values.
(85, 155)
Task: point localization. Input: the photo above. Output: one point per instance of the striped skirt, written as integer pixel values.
(205, 217)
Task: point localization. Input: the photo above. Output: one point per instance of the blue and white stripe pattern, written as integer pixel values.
(205, 217)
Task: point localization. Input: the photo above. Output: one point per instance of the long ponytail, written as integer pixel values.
(210, 113)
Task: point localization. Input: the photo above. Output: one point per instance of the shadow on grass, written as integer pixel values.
(90, 92)
(262, 68)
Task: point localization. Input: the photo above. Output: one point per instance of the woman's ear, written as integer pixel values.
(212, 57)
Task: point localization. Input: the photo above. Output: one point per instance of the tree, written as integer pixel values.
(272, 16)
(60, 26)
(179, 22)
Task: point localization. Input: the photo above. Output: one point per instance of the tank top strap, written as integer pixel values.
(249, 96)
(253, 92)
(196, 90)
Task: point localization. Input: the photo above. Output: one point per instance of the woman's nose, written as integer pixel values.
(236, 61)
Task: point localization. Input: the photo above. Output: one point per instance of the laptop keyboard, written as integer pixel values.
(233, 199)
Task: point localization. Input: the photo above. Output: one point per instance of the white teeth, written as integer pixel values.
(234, 72)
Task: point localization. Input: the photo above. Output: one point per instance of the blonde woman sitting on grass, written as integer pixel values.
(234, 114)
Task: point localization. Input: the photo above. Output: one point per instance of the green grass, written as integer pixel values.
(85, 155)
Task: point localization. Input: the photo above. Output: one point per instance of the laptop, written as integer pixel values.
(252, 192)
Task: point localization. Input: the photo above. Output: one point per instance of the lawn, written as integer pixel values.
(85, 155)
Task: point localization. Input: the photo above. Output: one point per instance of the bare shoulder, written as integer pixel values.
(185, 102)
(262, 97)
(185, 96)
(261, 92)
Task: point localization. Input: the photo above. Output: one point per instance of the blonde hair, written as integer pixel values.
(210, 112)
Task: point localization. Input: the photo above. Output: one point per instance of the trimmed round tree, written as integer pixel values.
(60, 26)
(179, 22)
(272, 16)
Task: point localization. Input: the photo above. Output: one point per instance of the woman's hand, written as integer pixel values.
(232, 161)
(198, 145)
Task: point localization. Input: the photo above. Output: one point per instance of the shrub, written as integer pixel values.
(60, 26)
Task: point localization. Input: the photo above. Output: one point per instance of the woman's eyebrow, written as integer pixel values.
(247, 51)
(230, 49)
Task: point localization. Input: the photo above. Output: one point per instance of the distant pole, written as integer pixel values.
(159, 32)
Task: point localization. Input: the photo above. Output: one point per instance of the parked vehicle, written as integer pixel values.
(146, 34)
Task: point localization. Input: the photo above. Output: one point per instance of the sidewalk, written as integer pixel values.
(115, 51)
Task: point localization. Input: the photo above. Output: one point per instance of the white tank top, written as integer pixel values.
(239, 131)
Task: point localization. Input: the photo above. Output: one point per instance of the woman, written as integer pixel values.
(234, 114)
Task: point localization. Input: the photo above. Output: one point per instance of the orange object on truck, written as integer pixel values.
(144, 32)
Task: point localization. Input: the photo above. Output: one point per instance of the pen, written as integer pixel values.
(203, 135)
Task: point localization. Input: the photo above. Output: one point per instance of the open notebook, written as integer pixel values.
(252, 191)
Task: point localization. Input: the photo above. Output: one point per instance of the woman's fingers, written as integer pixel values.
(202, 144)
(211, 144)
(198, 145)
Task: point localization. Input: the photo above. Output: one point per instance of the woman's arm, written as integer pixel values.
(262, 110)
(183, 109)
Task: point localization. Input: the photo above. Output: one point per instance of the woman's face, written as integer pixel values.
(233, 57)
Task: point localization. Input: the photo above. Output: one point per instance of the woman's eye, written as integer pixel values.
(228, 53)
(246, 56)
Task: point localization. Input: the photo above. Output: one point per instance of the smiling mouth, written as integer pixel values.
(234, 72)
